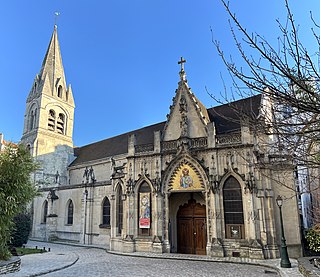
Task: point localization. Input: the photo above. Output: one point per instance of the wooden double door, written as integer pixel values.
(191, 229)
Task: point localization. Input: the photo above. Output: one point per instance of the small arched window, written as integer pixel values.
(106, 212)
(70, 213)
(233, 209)
(44, 212)
(145, 209)
(52, 120)
(60, 123)
(28, 148)
(119, 212)
(31, 120)
(60, 91)
(34, 118)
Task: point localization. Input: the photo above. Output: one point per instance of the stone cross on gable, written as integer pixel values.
(181, 62)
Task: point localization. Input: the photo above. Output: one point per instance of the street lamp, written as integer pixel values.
(284, 253)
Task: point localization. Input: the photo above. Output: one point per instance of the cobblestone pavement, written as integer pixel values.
(66, 260)
(94, 262)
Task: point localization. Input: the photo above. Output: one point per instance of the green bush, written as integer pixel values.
(16, 190)
(21, 231)
(313, 238)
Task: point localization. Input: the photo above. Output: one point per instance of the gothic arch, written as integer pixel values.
(69, 212)
(233, 210)
(141, 181)
(174, 166)
(60, 91)
(44, 211)
(105, 211)
(226, 176)
(58, 109)
(117, 185)
(59, 123)
(32, 115)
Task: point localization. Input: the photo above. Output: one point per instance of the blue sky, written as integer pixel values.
(120, 56)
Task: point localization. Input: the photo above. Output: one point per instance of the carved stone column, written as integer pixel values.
(216, 246)
(166, 239)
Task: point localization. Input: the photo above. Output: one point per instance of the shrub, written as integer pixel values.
(313, 238)
(21, 231)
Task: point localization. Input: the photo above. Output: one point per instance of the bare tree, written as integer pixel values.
(288, 75)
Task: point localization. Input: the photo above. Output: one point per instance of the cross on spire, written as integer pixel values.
(181, 62)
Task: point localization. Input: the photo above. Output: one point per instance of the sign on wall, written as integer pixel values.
(144, 221)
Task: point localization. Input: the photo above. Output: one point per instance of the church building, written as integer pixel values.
(202, 182)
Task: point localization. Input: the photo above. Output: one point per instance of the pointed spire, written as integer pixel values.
(52, 67)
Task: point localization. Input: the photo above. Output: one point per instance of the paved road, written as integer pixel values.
(96, 262)
(81, 261)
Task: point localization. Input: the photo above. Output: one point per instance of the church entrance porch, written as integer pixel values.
(187, 223)
(191, 228)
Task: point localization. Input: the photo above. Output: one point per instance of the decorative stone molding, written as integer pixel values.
(144, 148)
(234, 138)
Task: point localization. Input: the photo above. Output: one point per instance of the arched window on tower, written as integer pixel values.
(145, 209)
(60, 91)
(44, 212)
(60, 123)
(34, 119)
(70, 213)
(233, 209)
(28, 148)
(105, 213)
(52, 120)
(31, 120)
(119, 211)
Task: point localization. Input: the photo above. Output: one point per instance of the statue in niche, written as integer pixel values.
(183, 104)
(184, 125)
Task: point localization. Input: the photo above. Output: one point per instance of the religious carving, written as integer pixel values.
(130, 182)
(143, 169)
(92, 175)
(118, 171)
(250, 183)
(89, 175)
(183, 104)
(57, 178)
(184, 125)
(86, 175)
(215, 183)
(52, 195)
(157, 183)
(130, 186)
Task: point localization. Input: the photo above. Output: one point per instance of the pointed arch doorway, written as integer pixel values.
(191, 228)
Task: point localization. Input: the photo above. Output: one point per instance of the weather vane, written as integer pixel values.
(56, 15)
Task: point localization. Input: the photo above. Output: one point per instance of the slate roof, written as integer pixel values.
(115, 145)
(225, 117)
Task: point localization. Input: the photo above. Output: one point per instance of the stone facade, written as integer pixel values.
(202, 182)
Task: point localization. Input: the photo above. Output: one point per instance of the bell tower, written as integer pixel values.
(48, 120)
